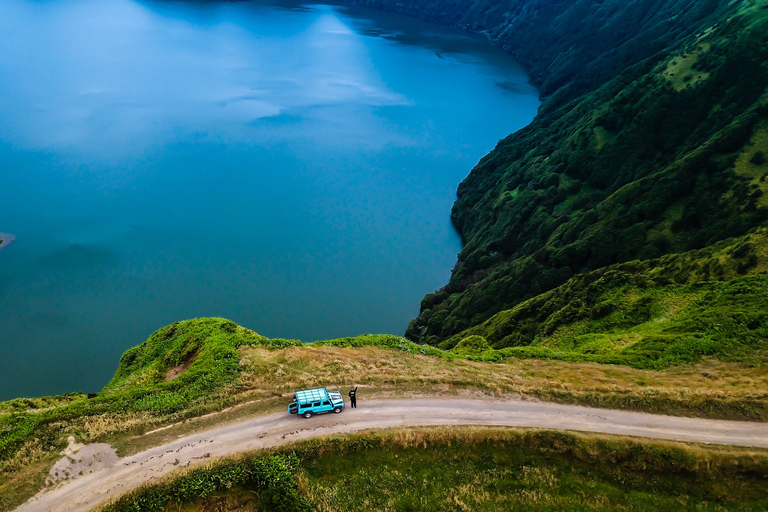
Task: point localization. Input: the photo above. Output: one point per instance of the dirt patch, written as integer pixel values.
(81, 460)
(178, 370)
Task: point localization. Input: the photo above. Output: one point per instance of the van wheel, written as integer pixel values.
(307, 414)
(337, 410)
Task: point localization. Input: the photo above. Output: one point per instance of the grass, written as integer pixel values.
(230, 372)
(647, 314)
(666, 157)
(473, 469)
(272, 476)
(711, 389)
(751, 163)
(681, 70)
(137, 399)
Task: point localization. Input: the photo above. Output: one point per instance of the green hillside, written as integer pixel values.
(468, 469)
(667, 157)
(197, 373)
(570, 46)
(648, 314)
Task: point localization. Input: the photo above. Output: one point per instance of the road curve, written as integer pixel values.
(116, 476)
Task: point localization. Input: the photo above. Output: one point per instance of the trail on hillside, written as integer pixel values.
(109, 477)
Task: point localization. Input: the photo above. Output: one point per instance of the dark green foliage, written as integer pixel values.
(204, 351)
(647, 314)
(272, 477)
(383, 341)
(569, 46)
(535, 470)
(641, 167)
(482, 469)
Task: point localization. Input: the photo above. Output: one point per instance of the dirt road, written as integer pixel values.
(105, 476)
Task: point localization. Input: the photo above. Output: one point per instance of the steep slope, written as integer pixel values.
(570, 46)
(666, 157)
(647, 314)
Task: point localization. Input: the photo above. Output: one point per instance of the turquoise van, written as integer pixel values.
(309, 402)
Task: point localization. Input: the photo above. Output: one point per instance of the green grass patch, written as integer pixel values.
(193, 368)
(271, 477)
(204, 353)
(646, 314)
(383, 341)
(475, 469)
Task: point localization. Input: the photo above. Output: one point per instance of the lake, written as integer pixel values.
(289, 166)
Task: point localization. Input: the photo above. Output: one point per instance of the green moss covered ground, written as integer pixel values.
(470, 469)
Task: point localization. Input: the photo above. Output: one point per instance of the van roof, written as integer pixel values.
(310, 395)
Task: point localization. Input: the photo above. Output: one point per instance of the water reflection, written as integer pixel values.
(150, 80)
(290, 166)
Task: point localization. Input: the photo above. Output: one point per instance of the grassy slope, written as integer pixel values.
(664, 158)
(648, 314)
(503, 469)
(227, 365)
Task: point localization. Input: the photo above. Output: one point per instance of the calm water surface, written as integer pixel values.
(289, 166)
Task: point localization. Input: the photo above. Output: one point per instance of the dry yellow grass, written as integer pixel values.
(382, 372)
(270, 376)
(24, 475)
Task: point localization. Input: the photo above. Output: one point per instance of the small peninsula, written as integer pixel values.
(6, 239)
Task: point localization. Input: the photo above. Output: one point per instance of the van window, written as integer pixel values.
(316, 404)
(326, 403)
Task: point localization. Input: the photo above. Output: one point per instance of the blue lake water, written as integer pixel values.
(288, 166)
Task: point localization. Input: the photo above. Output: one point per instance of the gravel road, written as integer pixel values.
(105, 476)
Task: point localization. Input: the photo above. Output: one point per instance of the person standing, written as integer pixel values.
(353, 397)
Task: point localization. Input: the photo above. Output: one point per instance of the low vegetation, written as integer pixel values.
(270, 480)
(469, 469)
(665, 157)
(191, 374)
(710, 389)
(646, 314)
